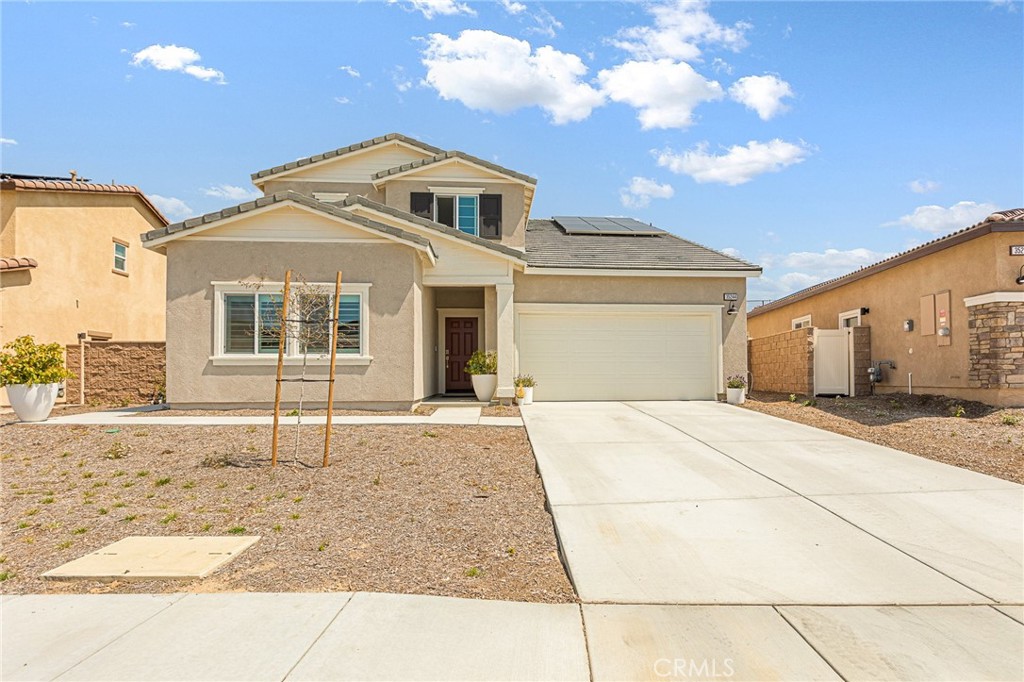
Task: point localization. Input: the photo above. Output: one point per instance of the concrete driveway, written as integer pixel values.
(702, 528)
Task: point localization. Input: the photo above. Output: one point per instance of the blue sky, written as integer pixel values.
(810, 137)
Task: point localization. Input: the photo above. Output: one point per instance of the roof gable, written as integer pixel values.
(210, 221)
(391, 139)
(452, 158)
(40, 184)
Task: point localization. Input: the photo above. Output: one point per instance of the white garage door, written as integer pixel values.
(582, 355)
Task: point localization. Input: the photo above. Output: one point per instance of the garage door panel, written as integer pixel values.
(583, 356)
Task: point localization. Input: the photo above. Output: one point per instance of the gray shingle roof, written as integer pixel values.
(437, 227)
(329, 209)
(548, 246)
(444, 156)
(430, 149)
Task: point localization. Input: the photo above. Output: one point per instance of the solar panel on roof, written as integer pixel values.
(605, 226)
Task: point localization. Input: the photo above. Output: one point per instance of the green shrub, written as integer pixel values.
(482, 363)
(27, 362)
(525, 381)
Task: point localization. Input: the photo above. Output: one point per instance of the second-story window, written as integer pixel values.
(460, 211)
(475, 214)
(120, 257)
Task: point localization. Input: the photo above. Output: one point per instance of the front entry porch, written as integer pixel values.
(464, 320)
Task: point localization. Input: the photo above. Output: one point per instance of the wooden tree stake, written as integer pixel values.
(334, 356)
(280, 362)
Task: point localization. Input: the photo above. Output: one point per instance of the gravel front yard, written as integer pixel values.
(962, 433)
(444, 510)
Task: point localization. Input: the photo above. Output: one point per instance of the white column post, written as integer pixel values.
(506, 341)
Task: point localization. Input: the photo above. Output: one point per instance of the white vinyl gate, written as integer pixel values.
(833, 357)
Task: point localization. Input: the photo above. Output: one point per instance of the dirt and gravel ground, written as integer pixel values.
(421, 411)
(963, 433)
(444, 510)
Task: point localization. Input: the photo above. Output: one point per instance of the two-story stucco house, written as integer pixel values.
(439, 258)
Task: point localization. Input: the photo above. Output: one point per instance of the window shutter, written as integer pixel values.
(490, 216)
(422, 204)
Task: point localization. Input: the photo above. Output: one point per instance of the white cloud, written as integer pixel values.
(127, 24)
(763, 94)
(433, 8)
(545, 23)
(488, 71)
(788, 272)
(342, 100)
(350, 71)
(7, 140)
(664, 92)
(729, 251)
(922, 186)
(401, 80)
(513, 7)
(739, 164)
(640, 191)
(232, 192)
(175, 58)
(173, 208)
(680, 28)
(721, 66)
(1009, 5)
(937, 219)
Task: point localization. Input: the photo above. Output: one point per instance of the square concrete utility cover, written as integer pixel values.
(151, 558)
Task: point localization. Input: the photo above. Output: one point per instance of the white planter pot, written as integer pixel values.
(735, 396)
(527, 398)
(484, 386)
(32, 403)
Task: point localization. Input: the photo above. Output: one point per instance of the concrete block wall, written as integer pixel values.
(117, 372)
(783, 363)
(996, 345)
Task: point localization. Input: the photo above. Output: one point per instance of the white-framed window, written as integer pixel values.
(461, 211)
(247, 324)
(851, 318)
(120, 257)
(801, 322)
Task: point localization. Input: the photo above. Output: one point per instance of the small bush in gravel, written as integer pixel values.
(236, 530)
(1011, 419)
(162, 481)
(473, 572)
(117, 450)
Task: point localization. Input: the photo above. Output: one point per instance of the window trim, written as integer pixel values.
(292, 356)
(116, 270)
(849, 315)
(800, 322)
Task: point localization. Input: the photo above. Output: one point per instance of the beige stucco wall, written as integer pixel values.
(513, 206)
(979, 266)
(74, 289)
(648, 290)
(392, 269)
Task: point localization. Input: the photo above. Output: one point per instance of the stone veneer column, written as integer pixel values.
(506, 341)
(996, 341)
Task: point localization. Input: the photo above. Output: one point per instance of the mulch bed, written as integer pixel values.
(500, 411)
(445, 510)
(966, 434)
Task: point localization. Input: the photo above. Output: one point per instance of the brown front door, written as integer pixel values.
(460, 341)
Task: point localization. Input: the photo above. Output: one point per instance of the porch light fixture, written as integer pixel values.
(732, 308)
(1020, 275)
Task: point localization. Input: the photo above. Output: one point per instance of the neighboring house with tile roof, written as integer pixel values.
(949, 313)
(439, 259)
(71, 261)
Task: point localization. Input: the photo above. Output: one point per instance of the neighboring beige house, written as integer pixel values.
(71, 262)
(949, 314)
(439, 258)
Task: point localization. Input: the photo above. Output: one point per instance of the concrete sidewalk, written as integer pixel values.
(460, 416)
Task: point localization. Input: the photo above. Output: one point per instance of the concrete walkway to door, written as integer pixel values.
(702, 530)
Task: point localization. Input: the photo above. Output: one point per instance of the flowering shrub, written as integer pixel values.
(736, 381)
(26, 362)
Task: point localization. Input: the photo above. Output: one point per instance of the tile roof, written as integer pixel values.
(548, 246)
(271, 199)
(12, 263)
(13, 182)
(1011, 219)
(444, 156)
(341, 151)
(437, 227)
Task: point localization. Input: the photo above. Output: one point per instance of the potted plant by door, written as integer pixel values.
(32, 374)
(524, 389)
(483, 371)
(735, 387)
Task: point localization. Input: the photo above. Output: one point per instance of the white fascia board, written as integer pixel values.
(618, 308)
(355, 152)
(598, 272)
(995, 297)
(359, 209)
(498, 175)
(443, 190)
